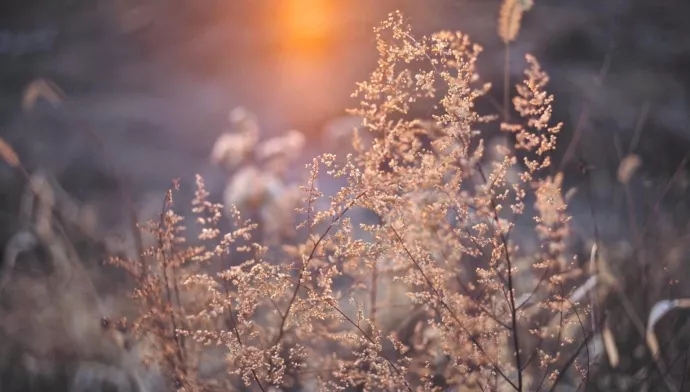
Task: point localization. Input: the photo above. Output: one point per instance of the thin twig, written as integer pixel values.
(564, 369)
(347, 318)
(166, 281)
(644, 113)
(233, 327)
(439, 297)
(584, 116)
(511, 291)
(305, 264)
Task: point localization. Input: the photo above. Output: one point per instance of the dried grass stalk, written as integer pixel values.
(628, 167)
(41, 88)
(8, 154)
(659, 310)
(610, 346)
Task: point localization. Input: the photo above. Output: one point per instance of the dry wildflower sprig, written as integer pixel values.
(314, 312)
(158, 293)
(445, 171)
(239, 295)
(168, 292)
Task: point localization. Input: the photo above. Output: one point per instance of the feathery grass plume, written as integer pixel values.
(277, 153)
(8, 154)
(41, 88)
(289, 145)
(233, 148)
(511, 17)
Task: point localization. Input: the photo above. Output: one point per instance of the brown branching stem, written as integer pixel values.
(439, 298)
(305, 264)
(353, 323)
(511, 291)
(179, 343)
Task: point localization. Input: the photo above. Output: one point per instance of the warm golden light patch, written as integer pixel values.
(307, 25)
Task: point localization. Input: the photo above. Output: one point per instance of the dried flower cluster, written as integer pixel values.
(434, 296)
(257, 173)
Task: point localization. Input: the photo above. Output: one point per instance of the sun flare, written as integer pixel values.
(307, 25)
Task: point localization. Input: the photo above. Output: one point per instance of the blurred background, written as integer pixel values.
(145, 88)
(155, 79)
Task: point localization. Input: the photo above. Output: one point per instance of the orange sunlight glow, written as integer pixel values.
(306, 40)
(307, 25)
